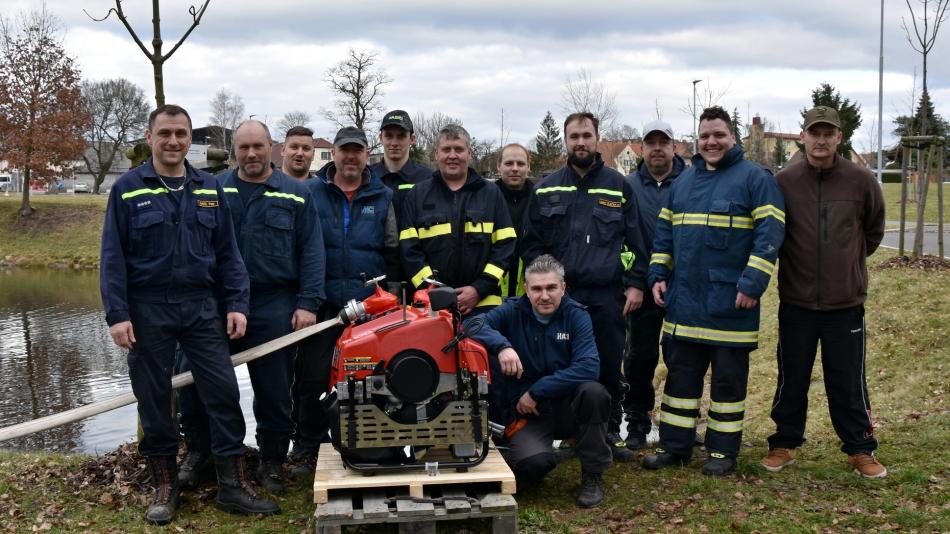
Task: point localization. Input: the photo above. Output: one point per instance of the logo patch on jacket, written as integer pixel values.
(609, 203)
(563, 336)
(368, 210)
(207, 203)
(143, 204)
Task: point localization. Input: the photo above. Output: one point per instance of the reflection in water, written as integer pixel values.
(56, 354)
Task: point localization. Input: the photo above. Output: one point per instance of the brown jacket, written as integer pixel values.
(834, 219)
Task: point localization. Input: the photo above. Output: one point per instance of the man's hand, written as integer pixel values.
(303, 318)
(510, 362)
(122, 334)
(745, 302)
(237, 322)
(659, 290)
(468, 298)
(634, 300)
(527, 405)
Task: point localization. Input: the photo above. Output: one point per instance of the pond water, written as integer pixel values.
(56, 354)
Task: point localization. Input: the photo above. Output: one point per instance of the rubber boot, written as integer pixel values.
(164, 503)
(235, 493)
(197, 466)
(270, 473)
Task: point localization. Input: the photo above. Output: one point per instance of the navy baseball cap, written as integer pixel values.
(350, 134)
(397, 117)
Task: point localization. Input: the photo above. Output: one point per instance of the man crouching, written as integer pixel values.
(544, 343)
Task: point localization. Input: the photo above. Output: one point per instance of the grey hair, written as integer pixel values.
(453, 132)
(252, 121)
(545, 263)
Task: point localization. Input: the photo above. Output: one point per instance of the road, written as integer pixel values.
(892, 238)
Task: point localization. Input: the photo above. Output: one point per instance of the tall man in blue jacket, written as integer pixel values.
(651, 185)
(716, 243)
(167, 244)
(544, 344)
(358, 225)
(584, 215)
(278, 233)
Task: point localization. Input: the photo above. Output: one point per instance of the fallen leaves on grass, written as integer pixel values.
(922, 263)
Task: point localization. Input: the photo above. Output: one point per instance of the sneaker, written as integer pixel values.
(719, 465)
(591, 492)
(636, 441)
(661, 459)
(619, 450)
(866, 465)
(778, 458)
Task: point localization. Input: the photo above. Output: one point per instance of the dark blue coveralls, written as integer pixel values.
(172, 268)
(278, 233)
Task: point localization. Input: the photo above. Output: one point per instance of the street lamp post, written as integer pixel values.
(695, 133)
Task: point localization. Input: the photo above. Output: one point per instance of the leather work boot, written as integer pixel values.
(635, 441)
(719, 465)
(866, 465)
(619, 450)
(304, 464)
(778, 458)
(164, 504)
(591, 492)
(197, 466)
(270, 473)
(661, 459)
(235, 493)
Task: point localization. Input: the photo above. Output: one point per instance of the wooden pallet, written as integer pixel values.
(414, 515)
(332, 476)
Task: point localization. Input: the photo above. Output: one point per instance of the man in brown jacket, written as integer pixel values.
(834, 219)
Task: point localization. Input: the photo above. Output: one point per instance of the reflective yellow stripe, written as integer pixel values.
(423, 273)
(146, 191)
(727, 407)
(555, 189)
(710, 334)
(768, 210)
(276, 194)
(724, 426)
(627, 258)
(406, 186)
(711, 219)
(408, 233)
(490, 300)
(437, 230)
(479, 228)
(503, 233)
(663, 259)
(665, 214)
(230, 189)
(676, 402)
(677, 420)
(494, 270)
(205, 192)
(762, 264)
(611, 192)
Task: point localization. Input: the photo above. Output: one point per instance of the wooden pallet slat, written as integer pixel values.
(456, 501)
(374, 504)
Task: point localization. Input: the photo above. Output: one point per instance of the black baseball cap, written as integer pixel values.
(397, 117)
(350, 134)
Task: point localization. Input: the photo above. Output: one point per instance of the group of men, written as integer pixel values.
(552, 272)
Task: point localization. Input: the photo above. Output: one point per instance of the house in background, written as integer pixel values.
(760, 145)
(624, 156)
(321, 153)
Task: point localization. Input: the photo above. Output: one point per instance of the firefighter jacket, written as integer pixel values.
(155, 249)
(512, 285)
(556, 357)
(585, 222)
(356, 234)
(718, 234)
(279, 238)
(401, 181)
(465, 235)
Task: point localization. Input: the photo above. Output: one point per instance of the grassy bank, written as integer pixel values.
(909, 381)
(64, 232)
(892, 204)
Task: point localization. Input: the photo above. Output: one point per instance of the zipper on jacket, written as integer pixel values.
(821, 212)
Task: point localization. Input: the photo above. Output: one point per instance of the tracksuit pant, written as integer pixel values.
(198, 328)
(314, 356)
(639, 365)
(842, 337)
(605, 306)
(687, 363)
(582, 415)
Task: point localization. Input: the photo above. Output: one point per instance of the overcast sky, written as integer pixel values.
(471, 61)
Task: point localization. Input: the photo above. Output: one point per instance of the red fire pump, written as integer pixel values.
(405, 381)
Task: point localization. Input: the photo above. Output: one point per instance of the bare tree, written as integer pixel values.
(427, 134)
(155, 56)
(926, 26)
(358, 86)
(623, 132)
(227, 111)
(292, 119)
(118, 110)
(582, 93)
(706, 96)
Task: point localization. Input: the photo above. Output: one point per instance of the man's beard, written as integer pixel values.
(579, 162)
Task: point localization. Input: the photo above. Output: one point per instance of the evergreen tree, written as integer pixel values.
(737, 126)
(936, 125)
(547, 145)
(778, 157)
(849, 112)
